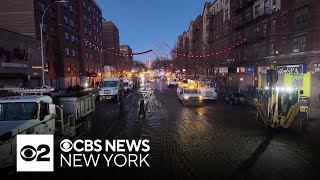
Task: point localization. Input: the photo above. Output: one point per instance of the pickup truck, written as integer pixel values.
(32, 112)
(189, 95)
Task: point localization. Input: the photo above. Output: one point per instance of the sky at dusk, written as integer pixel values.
(144, 23)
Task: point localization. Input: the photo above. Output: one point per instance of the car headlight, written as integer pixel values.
(200, 98)
(186, 97)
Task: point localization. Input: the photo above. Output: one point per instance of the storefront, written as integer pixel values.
(296, 76)
(19, 55)
(242, 78)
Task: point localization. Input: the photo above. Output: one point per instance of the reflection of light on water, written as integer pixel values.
(160, 86)
(201, 111)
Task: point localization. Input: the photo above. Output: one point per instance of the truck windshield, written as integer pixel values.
(109, 84)
(18, 111)
(126, 84)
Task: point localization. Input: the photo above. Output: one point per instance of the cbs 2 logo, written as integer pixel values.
(29, 153)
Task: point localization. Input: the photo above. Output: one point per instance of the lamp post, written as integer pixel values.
(41, 39)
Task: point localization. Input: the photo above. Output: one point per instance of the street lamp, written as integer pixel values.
(41, 38)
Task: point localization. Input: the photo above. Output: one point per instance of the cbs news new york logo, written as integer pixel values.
(35, 153)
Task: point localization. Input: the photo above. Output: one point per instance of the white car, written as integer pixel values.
(189, 95)
(208, 91)
(172, 82)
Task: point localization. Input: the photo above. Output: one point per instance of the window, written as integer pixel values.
(67, 51)
(265, 26)
(89, 33)
(91, 57)
(71, 8)
(301, 16)
(86, 55)
(52, 13)
(86, 43)
(274, 2)
(299, 43)
(72, 38)
(66, 19)
(95, 38)
(84, 17)
(94, 27)
(89, 9)
(284, 19)
(226, 14)
(256, 10)
(94, 17)
(65, 4)
(73, 52)
(257, 30)
(273, 47)
(89, 20)
(84, 4)
(273, 26)
(41, 6)
(44, 27)
(53, 31)
(66, 35)
(71, 23)
(85, 30)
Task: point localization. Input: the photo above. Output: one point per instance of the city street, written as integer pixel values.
(214, 140)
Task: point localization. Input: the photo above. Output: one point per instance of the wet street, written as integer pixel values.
(215, 140)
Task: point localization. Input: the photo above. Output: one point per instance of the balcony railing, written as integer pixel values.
(261, 12)
(244, 4)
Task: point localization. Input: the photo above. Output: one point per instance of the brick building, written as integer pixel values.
(125, 63)
(110, 41)
(67, 29)
(19, 60)
(280, 32)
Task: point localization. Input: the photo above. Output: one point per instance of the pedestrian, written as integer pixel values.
(142, 111)
(261, 94)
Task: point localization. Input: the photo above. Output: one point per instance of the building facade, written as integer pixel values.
(283, 33)
(20, 63)
(125, 63)
(72, 34)
(110, 41)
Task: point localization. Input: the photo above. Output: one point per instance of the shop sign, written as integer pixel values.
(316, 67)
(291, 69)
(14, 65)
(245, 70)
(222, 70)
(263, 69)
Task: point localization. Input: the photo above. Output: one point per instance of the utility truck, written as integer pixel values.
(35, 111)
(111, 88)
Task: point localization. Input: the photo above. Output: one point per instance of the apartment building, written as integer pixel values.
(72, 34)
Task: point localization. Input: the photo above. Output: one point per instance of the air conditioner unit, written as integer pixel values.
(296, 50)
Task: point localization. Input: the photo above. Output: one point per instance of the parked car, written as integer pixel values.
(236, 98)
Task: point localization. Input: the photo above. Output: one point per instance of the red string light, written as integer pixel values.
(212, 53)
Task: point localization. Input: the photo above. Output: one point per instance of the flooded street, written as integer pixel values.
(197, 142)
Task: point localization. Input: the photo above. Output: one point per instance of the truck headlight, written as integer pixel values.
(86, 85)
(186, 97)
(200, 98)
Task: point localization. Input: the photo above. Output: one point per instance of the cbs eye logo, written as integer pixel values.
(29, 153)
(66, 145)
(35, 153)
